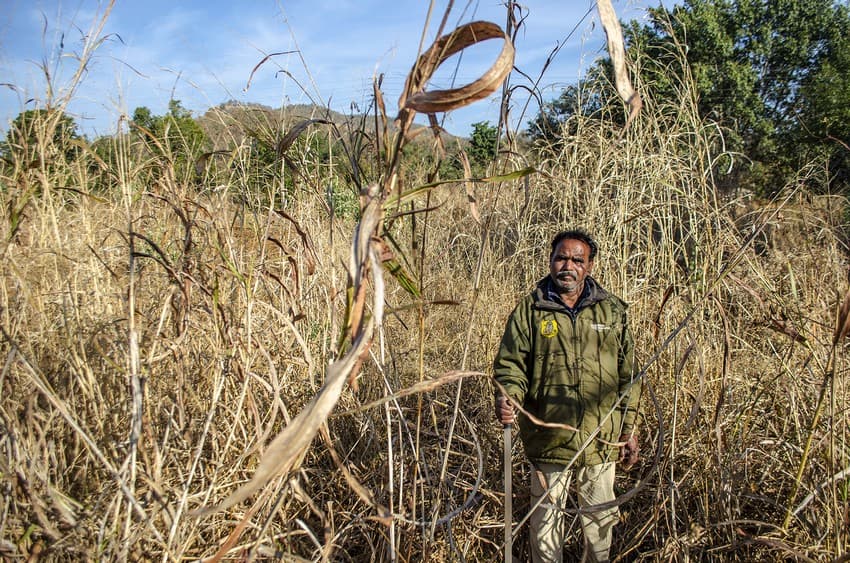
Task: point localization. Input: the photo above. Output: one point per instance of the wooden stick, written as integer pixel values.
(508, 495)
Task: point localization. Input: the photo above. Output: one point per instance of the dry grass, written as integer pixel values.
(158, 336)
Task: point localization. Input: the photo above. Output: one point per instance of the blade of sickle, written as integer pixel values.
(508, 498)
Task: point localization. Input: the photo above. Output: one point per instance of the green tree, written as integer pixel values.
(556, 119)
(773, 73)
(483, 146)
(824, 120)
(177, 127)
(143, 117)
(38, 153)
(175, 136)
(40, 134)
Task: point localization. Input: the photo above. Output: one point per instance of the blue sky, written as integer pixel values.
(203, 53)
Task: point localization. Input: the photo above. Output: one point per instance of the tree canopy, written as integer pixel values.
(483, 146)
(773, 73)
(175, 135)
(176, 128)
(38, 132)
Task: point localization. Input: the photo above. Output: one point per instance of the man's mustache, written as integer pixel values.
(567, 275)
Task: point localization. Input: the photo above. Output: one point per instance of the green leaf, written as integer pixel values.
(397, 271)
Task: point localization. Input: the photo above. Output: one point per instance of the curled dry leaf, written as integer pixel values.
(295, 132)
(536, 421)
(415, 97)
(424, 386)
(261, 63)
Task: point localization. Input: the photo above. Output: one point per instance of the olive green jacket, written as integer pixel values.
(575, 368)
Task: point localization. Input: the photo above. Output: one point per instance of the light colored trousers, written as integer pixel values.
(594, 485)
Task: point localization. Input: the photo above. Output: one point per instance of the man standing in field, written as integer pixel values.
(567, 358)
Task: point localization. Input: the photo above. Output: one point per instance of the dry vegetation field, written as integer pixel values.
(158, 336)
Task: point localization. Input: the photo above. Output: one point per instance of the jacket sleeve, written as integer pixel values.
(630, 387)
(512, 363)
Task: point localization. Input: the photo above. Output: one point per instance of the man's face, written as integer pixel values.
(569, 264)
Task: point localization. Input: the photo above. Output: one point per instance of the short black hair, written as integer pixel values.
(576, 234)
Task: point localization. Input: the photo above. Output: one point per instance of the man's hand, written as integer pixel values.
(504, 410)
(629, 450)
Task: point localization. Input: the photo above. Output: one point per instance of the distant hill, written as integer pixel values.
(229, 123)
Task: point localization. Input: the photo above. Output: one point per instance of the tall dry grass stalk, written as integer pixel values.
(160, 338)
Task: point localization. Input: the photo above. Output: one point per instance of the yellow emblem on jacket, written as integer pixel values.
(549, 328)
